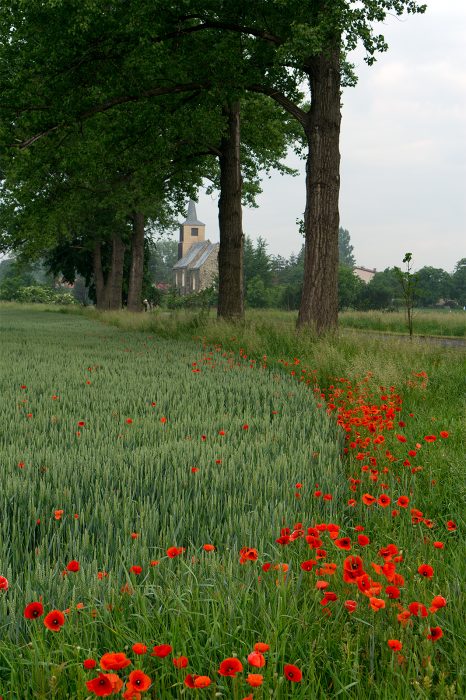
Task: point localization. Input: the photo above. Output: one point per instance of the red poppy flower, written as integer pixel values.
(140, 681)
(255, 680)
(292, 673)
(343, 543)
(261, 646)
(384, 500)
(163, 419)
(114, 661)
(162, 650)
(202, 681)
(435, 633)
(439, 545)
(426, 571)
(139, 648)
(81, 423)
(444, 433)
(128, 421)
(189, 681)
(89, 663)
(131, 694)
(350, 605)
(393, 592)
(134, 535)
(73, 565)
(320, 585)
(417, 609)
(100, 686)
(230, 667)
(33, 610)
(245, 426)
(376, 604)
(173, 552)
(208, 547)
(308, 565)
(54, 621)
(180, 661)
(247, 554)
(256, 659)
(430, 438)
(363, 540)
(403, 501)
(368, 500)
(353, 565)
(135, 569)
(394, 644)
(451, 525)
(437, 602)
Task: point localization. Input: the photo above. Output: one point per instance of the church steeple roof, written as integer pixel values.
(191, 218)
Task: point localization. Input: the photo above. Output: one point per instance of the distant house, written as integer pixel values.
(364, 273)
(197, 264)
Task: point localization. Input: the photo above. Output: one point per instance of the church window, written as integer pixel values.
(194, 231)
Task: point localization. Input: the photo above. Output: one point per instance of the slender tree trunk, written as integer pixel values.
(99, 277)
(319, 302)
(230, 256)
(115, 276)
(137, 264)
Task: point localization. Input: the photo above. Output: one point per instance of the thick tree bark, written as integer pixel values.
(99, 277)
(109, 291)
(230, 256)
(115, 276)
(319, 302)
(137, 264)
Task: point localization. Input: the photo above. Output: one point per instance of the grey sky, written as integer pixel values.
(403, 148)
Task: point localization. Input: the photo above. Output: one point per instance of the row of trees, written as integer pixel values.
(270, 281)
(274, 282)
(113, 114)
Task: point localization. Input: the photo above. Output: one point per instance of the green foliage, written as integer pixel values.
(163, 255)
(345, 249)
(408, 282)
(203, 300)
(43, 295)
(458, 282)
(350, 288)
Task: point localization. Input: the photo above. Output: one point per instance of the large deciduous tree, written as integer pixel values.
(304, 43)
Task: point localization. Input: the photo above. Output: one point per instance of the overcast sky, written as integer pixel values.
(403, 152)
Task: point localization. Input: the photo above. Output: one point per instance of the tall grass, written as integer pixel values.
(121, 477)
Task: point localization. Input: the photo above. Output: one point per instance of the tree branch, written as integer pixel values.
(283, 101)
(226, 26)
(115, 102)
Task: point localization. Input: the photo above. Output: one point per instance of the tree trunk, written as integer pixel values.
(115, 276)
(99, 277)
(230, 256)
(137, 264)
(319, 302)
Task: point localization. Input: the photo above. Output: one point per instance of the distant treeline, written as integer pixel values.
(271, 281)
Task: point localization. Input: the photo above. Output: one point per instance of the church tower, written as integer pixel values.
(191, 231)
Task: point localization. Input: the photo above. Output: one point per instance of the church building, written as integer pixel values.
(197, 265)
